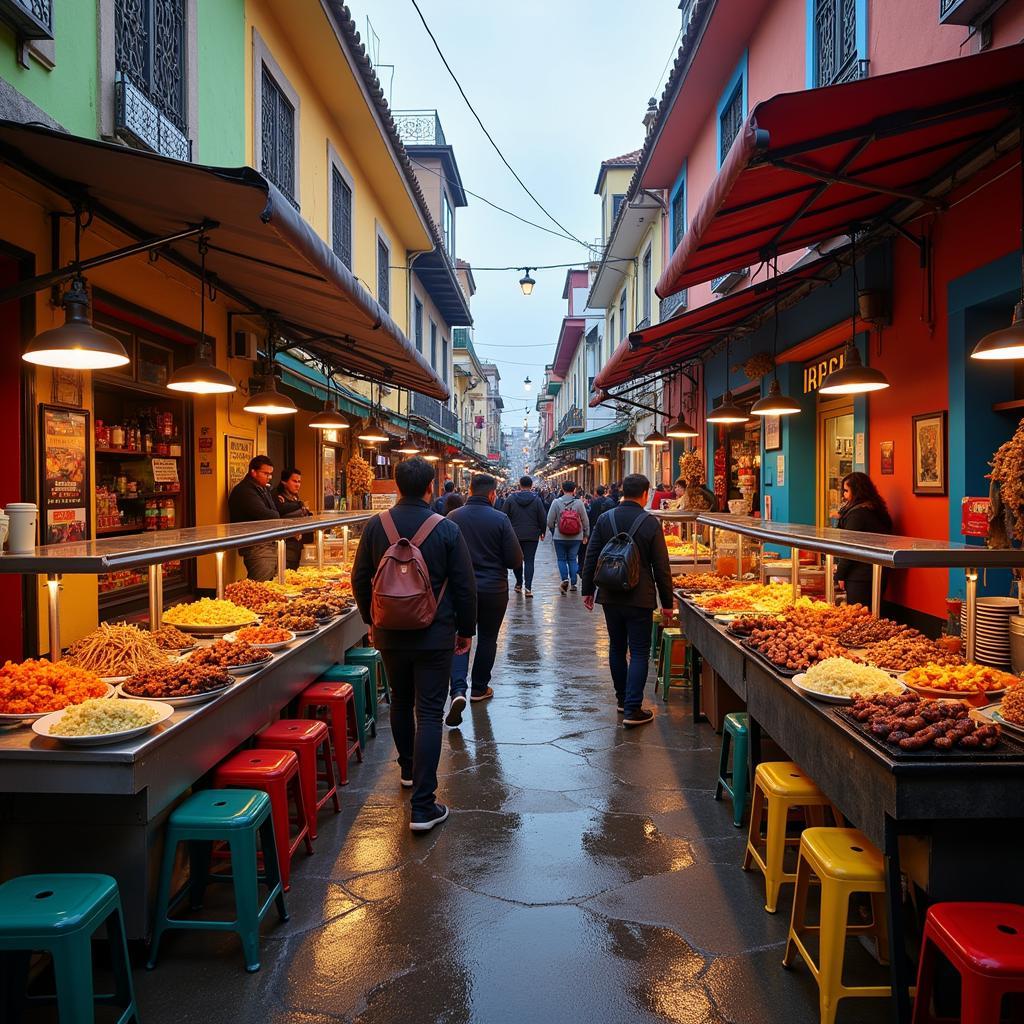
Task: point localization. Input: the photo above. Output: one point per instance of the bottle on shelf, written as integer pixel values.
(117, 436)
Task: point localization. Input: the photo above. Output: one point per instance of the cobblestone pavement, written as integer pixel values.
(586, 874)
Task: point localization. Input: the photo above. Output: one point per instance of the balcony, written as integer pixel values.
(434, 412)
(964, 12)
(667, 307)
(419, 127)
(571, 422)
(30, 19)
(138, 120)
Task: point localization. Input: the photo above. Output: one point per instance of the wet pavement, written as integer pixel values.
(586, 874)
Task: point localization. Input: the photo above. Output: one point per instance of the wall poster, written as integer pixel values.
(64, 475)
(929, 437)
(887, 454)
(238, 453)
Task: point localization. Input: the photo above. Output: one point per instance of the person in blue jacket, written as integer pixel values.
(525, 510)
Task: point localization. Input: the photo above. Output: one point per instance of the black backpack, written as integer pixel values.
(618, 565)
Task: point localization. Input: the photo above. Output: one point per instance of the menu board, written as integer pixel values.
(64, 474)
(379, 502)
(165, 471)
(238, 453)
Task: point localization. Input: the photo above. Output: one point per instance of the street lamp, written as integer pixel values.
(527, 384)
(526, 282)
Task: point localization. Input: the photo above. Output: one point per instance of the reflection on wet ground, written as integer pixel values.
(585, 875)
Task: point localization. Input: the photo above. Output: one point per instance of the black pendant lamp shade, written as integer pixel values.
(853, 377)
(679, 429)
(655, 438)
(728, 411)
(268, 401)
(329, 418)
(202, 377)
(632, 444)
(775, 403)
(1005, 343)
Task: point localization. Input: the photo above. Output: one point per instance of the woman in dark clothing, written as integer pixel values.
(865, 511)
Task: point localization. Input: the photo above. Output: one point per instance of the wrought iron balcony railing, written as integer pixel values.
(571, 422)
(419, 127)
(432, 410)
(137, 118)
(30, 19)
(674, 302)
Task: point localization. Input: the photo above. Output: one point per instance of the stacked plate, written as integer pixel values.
(992, 630)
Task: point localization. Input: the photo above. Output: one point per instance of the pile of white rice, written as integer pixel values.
(98, 717)
(840, 677)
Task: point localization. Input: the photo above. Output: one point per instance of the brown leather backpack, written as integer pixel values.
(403, 597)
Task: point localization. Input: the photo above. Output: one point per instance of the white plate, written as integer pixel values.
(35, 716)
(178, 702)
(244, 670)
(992, 714)
(233, 637)
(42, 728)
(825, 698)
(212, 629)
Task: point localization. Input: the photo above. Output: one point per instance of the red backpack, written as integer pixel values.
(403, 597)
(569, 522)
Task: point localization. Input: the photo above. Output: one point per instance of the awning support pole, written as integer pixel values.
(794, 572)
(282, 560)
(219, 556)
(830, 581)
(155, 599)
(53, 602)
(972, 611)
(876, 590)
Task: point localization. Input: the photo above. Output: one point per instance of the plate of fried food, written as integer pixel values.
(1009, 712)
(977, 684)
(179, 685)
(116, 651)
(208, 615)
(300, 625)
(267, 637)
(32, 689)
(173, 640)
(238, 658)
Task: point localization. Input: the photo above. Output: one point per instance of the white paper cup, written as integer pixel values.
(21, 536)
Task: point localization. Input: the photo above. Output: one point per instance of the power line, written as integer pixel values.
(533, 266)
(490, 139)
(675, 44)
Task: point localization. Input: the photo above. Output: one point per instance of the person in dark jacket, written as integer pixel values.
(629, 613)
(291, 506)
(528, 517)
(446, 491)
(494, 550)
(864, 510)
(419, 661)
(600, 504)
(250, 500)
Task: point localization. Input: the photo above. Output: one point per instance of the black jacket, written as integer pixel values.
(527, 514)
(249, 501)
(600, 505)
(864, 519)
(655, 574)
(447, 558)
(439, 501)
(292, 508)
(492, 544)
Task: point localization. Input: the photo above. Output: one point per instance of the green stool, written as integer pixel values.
(58, 914)
(358, 676)
(670, 636)
(235, 816)
(371, 658)
(735, 781)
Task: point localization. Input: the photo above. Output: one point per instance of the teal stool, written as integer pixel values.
(58, 914)
(735, 781)
(371, 658)
(365, 692)
(234, 816)
(670, 636)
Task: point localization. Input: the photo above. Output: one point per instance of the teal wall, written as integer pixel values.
(68, 91)
(221, 83)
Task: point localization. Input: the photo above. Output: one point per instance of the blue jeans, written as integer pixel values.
(567, 552)
(529, 555)
(629, 629)
(490, 613)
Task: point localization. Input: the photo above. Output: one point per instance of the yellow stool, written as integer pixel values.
(845, 862)
(779, 787)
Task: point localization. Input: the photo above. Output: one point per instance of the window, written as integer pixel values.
(448, 225)
(341, 217)
(278, 135)
(444, 359)
(835, 42)
(616, 204)
(611, 335)
(645, 284)
(150, 62)
(622, 315)
(732, 108)
(383, 274)
(677, 210)
(433, 345)
(417, 324)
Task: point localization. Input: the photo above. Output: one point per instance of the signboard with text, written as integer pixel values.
(64, 489)
(974, 513)
(818, 369)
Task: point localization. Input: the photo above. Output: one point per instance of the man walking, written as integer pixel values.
(250, 499)
(570, 527)
(600, 504)
(629, 612)
(526, 512)
(494, 550)
(446, 492)
(418, 661)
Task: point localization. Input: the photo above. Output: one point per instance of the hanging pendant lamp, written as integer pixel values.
(268, 401)
(775, 403)
(329, 418)
(655, 438)
(632, 444)
(526, 282)
(373, 433)
(728, 411)
(407, 446)
(76, 344)
(680, 428)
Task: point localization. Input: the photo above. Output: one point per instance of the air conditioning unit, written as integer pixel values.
(243, 345)
(722, 285)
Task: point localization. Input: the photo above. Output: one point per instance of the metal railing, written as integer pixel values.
(571, 421)
(419, 127)
(432, 410)
(667, 307)
(30, 19)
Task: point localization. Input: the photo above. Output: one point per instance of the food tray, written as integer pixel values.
(178, 702)
(1007, 749)
(36, 715)
(787, 672)
(213, 630)
(277, 646)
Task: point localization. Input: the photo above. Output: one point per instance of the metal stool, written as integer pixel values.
(735, 781)
(360, 678)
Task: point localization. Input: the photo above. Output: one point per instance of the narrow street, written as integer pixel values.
(586, 874)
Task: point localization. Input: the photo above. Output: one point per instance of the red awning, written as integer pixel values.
(262, 252)
(568, 339)
(684, 337)
(807, 166)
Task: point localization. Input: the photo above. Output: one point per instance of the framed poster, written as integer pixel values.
(772, 433)
(238, 453)
(886, 450)
(63, 475)
(929, 438)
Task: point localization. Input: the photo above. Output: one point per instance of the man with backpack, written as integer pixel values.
(600, 504)
(526, 512)
(570, 527)
(414, 585)
(628, 566)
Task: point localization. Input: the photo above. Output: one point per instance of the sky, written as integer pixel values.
(560, 87)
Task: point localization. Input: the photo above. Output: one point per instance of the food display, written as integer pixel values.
(255, 596)
(208, 613)
(1012, 707)
(117, 650)
(911, 723)
(287, 619)
(224, 654)
(697, 581)
(318, 609)
(679, 548)
(183, 680)
(262, 635)
(827, 619)
(283, 590)
(792, 648)
(872, 631)
(38, 686)
(313, 578)
(746, 624)
(170, 638)
(98, 717)
(960, 679)
(841, 677)
(751, 597)
(906, 651)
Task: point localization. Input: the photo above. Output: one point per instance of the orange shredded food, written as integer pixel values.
(37, 685)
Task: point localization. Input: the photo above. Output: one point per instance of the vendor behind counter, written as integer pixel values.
(291, 506)
(250, 500)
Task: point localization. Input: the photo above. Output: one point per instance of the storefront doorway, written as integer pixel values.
(835, 457)
(737, 462)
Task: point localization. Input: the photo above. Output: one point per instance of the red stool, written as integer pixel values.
(985, 943)
(275, 772)
(309, 739)
(340, 704)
